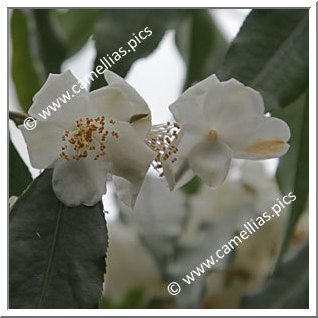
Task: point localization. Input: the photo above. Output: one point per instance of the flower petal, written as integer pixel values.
(127, 156)
(257, 138)
(110, 101)
(79, 182)
(49, 98)
(211, 162)
(200, 88)
(121, 102)
(114, 80)
(230, 101)
(188, 108)
(139, 106)
(189, 112)
(176, 168)
(177, 173)
(43, 143)
(127, 191)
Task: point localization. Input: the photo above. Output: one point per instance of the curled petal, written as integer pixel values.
(79, 182)
(128, 156)
(188, 108)
(139, 106)
(211, 162)
(127, 191)
(121, 102)
(177, 173)
(257, 138)
(110, 101)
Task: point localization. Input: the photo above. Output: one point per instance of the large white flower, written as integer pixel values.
(220, 121)
(90, 137)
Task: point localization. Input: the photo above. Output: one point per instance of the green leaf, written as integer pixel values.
(19, 174)
(115, 28)
(270, 54)
(50, 46)
(77, 26)
(288, 288)
(23, 67)
(293, 170)
(201, 45)
(57, 253)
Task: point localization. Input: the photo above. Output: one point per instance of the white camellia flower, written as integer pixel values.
(220, 121)
(92, 136)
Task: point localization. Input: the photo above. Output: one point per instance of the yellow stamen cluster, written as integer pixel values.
(161, 139)
(88, 136)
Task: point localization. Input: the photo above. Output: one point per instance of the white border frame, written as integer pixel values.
(312, 163)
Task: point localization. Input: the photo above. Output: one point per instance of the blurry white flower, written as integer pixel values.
(220, 121)
(91, 136)
(242, 199)
(130, 266)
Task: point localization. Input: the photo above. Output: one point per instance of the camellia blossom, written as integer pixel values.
(220, 121)
(92, 136)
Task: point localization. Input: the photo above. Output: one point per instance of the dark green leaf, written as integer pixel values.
(77, 26)
(19, 174)
(115, 28)
(57, 253)
(24, 72)
(201, 45)
(50, 46)
(287, 289)
(293, 170)
(270, 54)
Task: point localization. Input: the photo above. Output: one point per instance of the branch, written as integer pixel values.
(17, 115)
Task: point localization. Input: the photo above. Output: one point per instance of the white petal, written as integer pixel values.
(188, 108)
(257, 138)
(200, 88)
(188, 138)
(44, 143)
(139, 106)
(65, 114)
(79, 182)
(230, 101)
(189, 112)
(127, 191)
(114, 103)
(142, 126)
(211, 162)
(177, 173)
(128, 156)
(111, 102)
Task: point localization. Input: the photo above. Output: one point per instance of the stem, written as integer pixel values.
(17, 115)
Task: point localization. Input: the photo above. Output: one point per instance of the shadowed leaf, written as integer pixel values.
(270, 54)
(19, 174)
(57, 253)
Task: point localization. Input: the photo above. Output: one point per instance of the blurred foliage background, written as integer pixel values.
(169, 234)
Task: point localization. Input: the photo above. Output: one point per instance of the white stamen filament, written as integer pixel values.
(160, 139)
